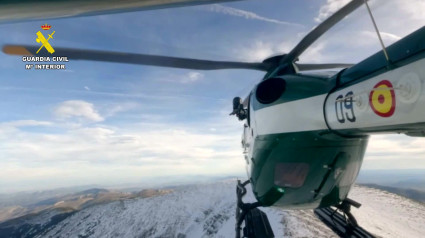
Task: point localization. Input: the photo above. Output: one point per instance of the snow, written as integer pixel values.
(387, 214)
(208, 211)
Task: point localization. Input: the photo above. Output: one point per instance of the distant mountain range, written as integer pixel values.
(405, 178)
(63, 205)
(413, 194)
(31, 197)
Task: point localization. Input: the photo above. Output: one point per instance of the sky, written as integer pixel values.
(106, 123)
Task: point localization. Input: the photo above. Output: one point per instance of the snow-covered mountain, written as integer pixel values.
(208, 211)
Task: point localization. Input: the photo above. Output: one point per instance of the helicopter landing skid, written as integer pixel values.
(256, 221)
(342, 221)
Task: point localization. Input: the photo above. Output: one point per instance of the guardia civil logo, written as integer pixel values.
(45, 42)
(41, 56)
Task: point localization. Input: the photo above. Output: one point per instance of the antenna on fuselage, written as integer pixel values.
(384, 49)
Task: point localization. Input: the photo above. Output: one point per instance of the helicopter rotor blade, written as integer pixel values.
(16, 11)
(198, 64)
(303, 67)
(131, 58)
(311, 37)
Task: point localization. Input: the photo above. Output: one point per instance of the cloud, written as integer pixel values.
(357, 32)
(9, 129)
(388, 38)
(87, 88)
(132, 151)
(245, 14)
(192, 77)
(136, 144)
(395, 146)
(79, 109)
(187, 78)
(330, 8)
(388, 14)
(24, 123)
(397, 16)
(260, 50)
(315, 54)
(395, 152)
(114, 108)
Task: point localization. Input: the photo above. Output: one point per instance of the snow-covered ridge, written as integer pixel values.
(387, 214)
(208, 211)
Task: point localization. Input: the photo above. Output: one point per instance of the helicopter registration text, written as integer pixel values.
(344, 108)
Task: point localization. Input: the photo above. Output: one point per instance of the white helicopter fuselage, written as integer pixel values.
(305, 145)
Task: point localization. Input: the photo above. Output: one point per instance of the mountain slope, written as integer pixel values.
(388, 214)
(208, 211)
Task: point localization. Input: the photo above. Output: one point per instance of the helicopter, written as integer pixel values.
(304, 136)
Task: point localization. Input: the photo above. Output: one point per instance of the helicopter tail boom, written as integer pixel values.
(374, 97)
